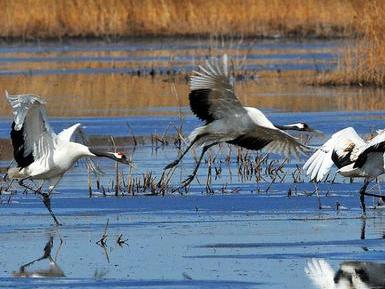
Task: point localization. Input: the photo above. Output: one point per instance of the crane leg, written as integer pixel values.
(190, 178)
(318, 196)
(46, 199)
(362, 197)
(47, 203)
(174, 163)
(22, 184)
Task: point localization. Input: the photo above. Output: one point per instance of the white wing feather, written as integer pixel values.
(377, 140)
(30, 114)
(68, 133)
(75, 133)
(319, 164)
(321, 274)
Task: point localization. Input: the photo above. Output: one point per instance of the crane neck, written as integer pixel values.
(294, 126)
(99, 153)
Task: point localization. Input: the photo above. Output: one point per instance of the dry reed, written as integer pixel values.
(116, 18)
(363, 62)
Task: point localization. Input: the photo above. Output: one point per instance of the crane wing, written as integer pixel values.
(31, 135)
(321, 274)
(262, 134)
(377, 144)
(76, 133)
(69, 133)
(341, 149)
(276, 141)
(212, 92)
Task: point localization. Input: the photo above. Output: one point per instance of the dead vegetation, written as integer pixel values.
(119, 18)
(363, 61)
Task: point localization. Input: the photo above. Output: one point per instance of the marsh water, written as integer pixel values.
(241, 229)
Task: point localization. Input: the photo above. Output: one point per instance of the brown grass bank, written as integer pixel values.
(363, 63)
(30, 19)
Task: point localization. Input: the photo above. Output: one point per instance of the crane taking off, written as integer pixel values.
(41, 154)
(212, 99)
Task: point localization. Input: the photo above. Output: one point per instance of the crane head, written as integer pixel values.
(121, 157)
(300, 126)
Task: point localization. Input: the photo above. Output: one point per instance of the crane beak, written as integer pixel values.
(127, 162)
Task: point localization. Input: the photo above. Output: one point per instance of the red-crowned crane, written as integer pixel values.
(354, 158)
(212, 99)
(41, 154)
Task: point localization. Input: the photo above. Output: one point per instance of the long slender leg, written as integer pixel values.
(318, 196)
(362, 197)
(46, 198)
(174, 163)
(190, 178)
(22, 184)
(363, 229)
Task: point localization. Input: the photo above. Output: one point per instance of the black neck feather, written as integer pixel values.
(99, 153)
(287, 127)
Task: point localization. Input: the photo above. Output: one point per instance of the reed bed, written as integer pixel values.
(119, 18)
(363, 62)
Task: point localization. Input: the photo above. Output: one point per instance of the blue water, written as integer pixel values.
(247, 239)
(247, 234)
(144, 54)
(327, 122)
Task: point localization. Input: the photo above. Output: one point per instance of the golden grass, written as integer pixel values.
(115, 18)
(363, 62)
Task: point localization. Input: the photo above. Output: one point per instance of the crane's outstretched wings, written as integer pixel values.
(212, 98)
(341, 149)
(31, 135)
(212, 92)
(321, 274)
(262, 132)
(271, 140)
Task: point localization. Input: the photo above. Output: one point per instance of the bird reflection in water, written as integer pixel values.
(350, 275)
(53, 269)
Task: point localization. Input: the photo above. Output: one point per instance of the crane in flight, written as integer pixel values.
(213, 100)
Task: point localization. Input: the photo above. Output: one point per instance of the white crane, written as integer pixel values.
(212, 99)
(41, 154)
(354, 158)
(350, 275)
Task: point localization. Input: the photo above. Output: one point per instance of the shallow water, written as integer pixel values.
(148, 77)
(247, 235)
(248, 239)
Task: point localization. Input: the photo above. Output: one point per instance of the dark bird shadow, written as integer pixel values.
(32, 269)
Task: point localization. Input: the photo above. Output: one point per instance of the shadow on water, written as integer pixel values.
(35, 270)
(54, 270)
